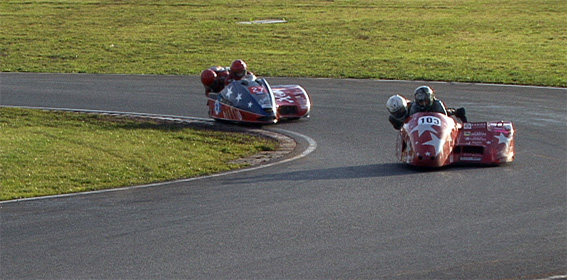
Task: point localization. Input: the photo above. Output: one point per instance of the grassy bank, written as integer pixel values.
(46, 153)
(494, 41)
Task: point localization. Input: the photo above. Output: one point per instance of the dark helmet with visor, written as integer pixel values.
(424, 97)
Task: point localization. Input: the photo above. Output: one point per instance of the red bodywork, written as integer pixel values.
(292, 101)
(435, 140)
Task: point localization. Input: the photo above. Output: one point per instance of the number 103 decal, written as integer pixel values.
(429, 120)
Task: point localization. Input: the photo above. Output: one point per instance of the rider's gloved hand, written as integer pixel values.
(461, 114)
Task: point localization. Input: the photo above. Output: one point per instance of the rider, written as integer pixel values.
(238, 70)
(214, 79)
(425, 101)
(398, 106)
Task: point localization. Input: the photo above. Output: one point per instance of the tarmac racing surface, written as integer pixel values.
(345, 209)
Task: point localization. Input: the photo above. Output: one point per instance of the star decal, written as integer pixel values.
(421, 128)
(505, 139)
(228, 92)
(239, 97)
(250, 104)
(437, 143)
(502, 139)
(217, 107)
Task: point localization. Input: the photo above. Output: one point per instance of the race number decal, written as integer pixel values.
(256, 90)
(429, 120)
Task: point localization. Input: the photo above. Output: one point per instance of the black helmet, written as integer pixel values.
(424, 97)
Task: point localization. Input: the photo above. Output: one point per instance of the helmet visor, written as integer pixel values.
(400, 113)
(240, 73)
(426, 102)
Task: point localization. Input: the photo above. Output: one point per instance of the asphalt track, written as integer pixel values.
(346, 210)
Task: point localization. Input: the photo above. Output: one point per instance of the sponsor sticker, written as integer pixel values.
(474, 125)
(474, 134)
(471, 159)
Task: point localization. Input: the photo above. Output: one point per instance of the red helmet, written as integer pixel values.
(221, 75)
(238, 68)
(208, 77)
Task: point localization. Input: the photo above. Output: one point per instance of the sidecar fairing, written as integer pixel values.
(292, 100)
(490, 143)
(435, 140)
(427, 139)
(250, 101)
(255, 101)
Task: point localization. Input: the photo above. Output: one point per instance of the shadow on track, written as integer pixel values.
(352, 172)
(346, 172)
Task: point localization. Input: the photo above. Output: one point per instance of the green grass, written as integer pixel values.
(47, 153)
(493, 41)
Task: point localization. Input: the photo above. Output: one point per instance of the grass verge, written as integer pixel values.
(492, 41)
(47, 153)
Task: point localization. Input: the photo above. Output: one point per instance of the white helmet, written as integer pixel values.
(397, 105)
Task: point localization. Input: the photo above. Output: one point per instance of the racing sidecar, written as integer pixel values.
(435, 140)
(255, 101)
